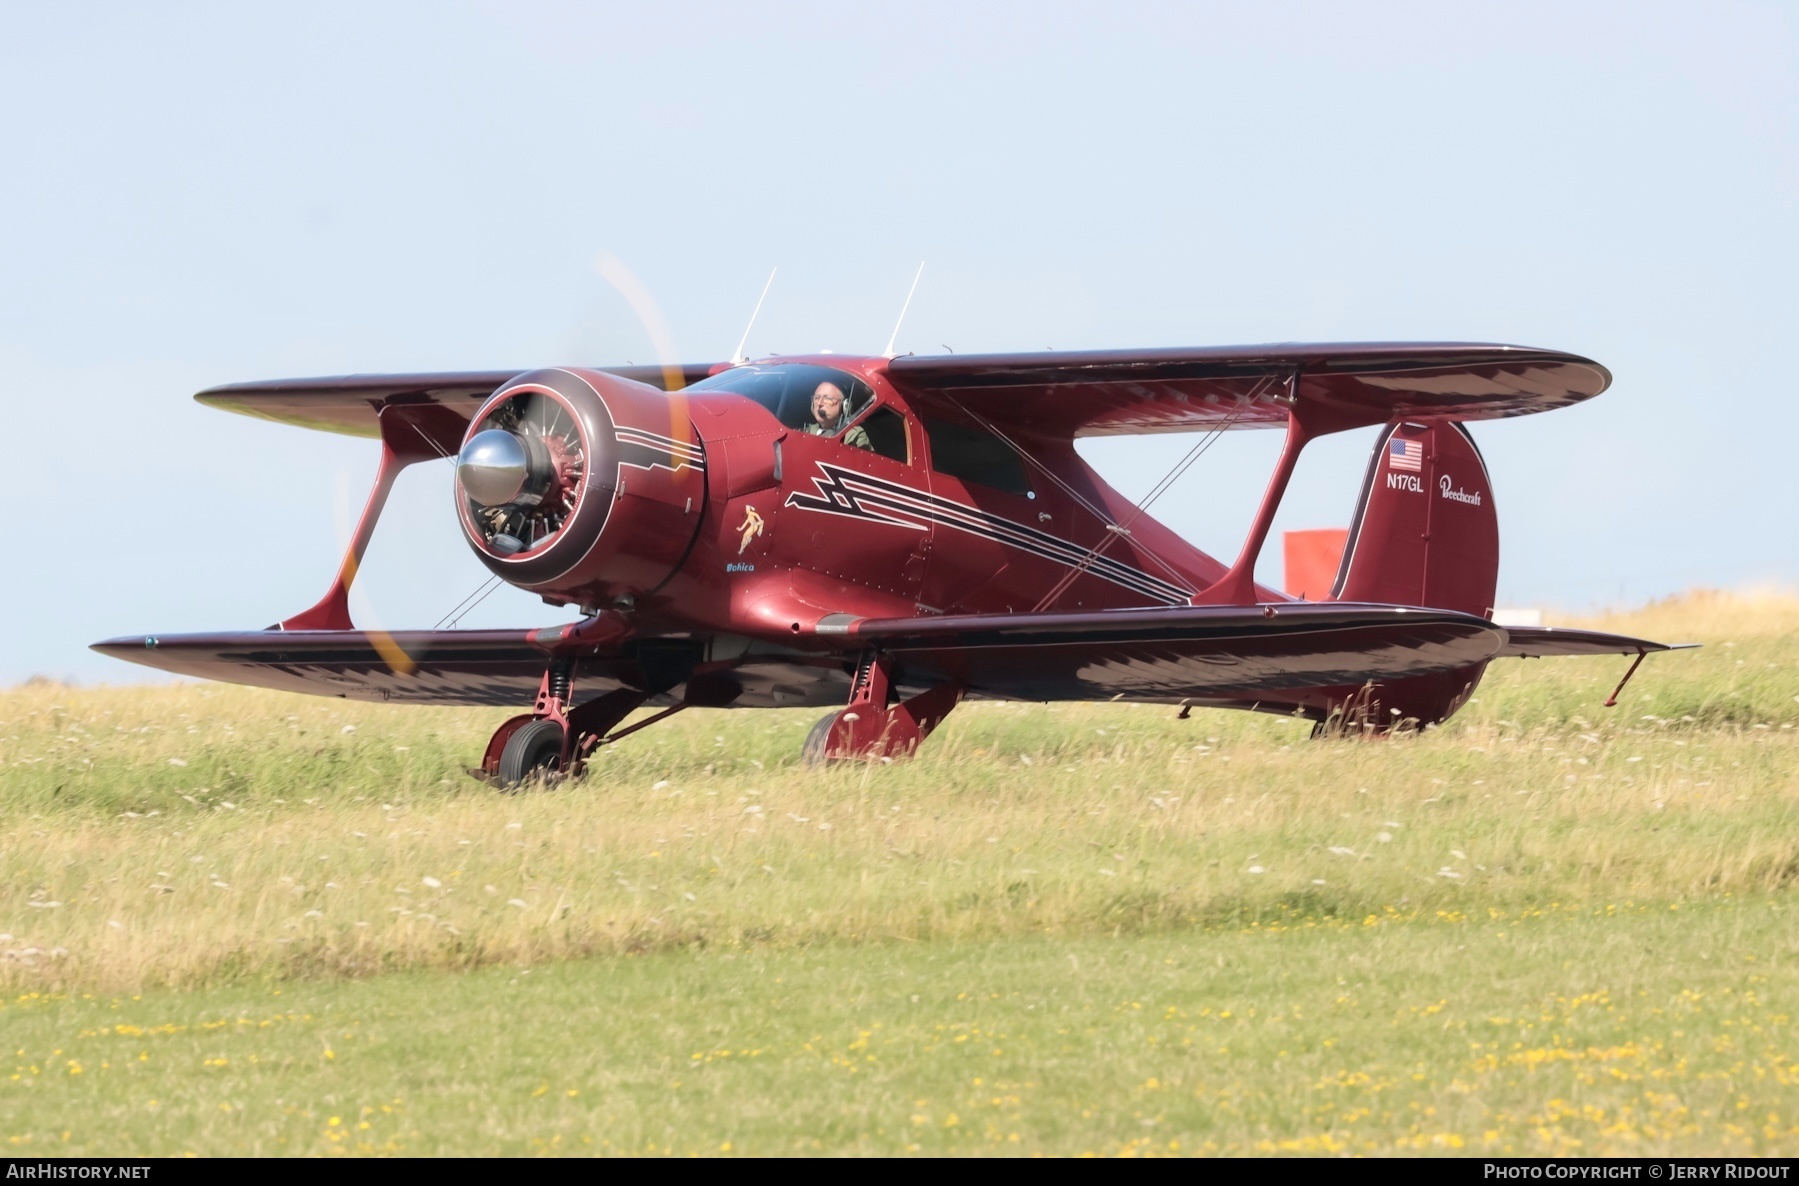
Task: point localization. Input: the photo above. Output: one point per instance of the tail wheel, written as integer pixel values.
(532, 752)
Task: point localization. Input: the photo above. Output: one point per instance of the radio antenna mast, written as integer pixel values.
(739, 356)
(888, 353)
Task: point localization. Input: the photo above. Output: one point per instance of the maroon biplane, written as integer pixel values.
(890, 536)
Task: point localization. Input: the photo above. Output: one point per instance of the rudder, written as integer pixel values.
(1425, 531)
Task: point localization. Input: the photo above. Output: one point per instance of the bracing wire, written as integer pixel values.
(1080, 500)
(1116, 530)
(467, 604)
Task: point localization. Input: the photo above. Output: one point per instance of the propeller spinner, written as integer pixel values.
(496, 467)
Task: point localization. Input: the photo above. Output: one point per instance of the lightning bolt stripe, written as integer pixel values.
(643, 449)
(858, 496)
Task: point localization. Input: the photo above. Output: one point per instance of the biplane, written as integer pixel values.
(889, 536)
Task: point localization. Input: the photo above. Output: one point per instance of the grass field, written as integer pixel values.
(1545, 927)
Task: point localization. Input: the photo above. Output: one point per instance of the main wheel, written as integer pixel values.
(813, 752)
(531, 752)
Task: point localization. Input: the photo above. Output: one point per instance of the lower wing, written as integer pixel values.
(501, 668)
(1160, 655)
(1167, 655)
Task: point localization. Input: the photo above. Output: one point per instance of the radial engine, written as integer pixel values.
(581, 486)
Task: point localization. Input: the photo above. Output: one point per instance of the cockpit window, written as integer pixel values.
(976, 456)
(814, 399)
(885, 433)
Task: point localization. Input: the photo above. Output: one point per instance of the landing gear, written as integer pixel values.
(556, 738)
(872, 728)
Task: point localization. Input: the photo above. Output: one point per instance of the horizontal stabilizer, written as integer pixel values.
(1542, 642)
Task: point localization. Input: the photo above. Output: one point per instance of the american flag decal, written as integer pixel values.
(1405, 455)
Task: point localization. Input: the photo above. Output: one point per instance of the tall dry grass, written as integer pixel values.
(198, 834)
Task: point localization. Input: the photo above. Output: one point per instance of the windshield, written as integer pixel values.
(816, 399)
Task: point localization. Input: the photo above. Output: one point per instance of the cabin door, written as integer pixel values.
(868, 530)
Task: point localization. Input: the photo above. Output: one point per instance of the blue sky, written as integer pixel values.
(196, 194)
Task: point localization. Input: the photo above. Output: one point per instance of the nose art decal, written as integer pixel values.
(751, 527)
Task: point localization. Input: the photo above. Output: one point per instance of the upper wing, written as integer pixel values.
(1112, 392)
(352, 403)
(1181, 652)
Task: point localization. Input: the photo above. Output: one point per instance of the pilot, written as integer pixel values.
(828, 415)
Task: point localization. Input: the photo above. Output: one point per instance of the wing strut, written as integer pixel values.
(406, 439)
(1304, 422)
(1238, 586)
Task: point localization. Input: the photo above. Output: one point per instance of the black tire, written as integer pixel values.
(532, 752)
(813, 752)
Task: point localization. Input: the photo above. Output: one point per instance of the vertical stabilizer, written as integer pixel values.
(1425, 531)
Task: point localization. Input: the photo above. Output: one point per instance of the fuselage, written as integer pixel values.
(735, 510)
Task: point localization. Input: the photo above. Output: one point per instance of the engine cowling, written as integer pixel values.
(581, 486)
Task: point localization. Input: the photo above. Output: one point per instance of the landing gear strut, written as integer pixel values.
(872, 728)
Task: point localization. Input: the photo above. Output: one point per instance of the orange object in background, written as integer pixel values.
(1312, 559)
